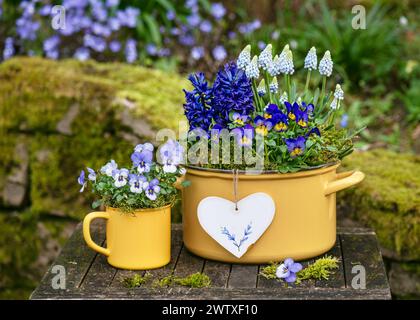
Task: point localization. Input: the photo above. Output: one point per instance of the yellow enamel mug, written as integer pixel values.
(137, 240)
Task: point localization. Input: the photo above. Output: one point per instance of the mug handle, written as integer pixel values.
(86, 231)
(343, 181)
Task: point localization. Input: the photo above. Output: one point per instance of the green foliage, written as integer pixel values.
(19, 248)
(136, 280)
(388, 200)
(319, 270)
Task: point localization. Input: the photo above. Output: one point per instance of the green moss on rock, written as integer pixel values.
(388, 200)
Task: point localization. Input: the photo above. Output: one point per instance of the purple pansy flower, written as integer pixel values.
(244, 135)
(109, 168)
(144, 147)
(171, 154)
(296, 147)
(262, 126)
(151, 189)
(92, 174)
(81, 180)
(301, 117)
(281, 121)
(142, 160)
(288, 269)
(136, 183)
(120, 177)
(239, 119)
(271, 110)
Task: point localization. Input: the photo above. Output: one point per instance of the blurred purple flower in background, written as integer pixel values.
(217, 10)
(344, 120)
(112, 3)
(131, 50)
(197, 53)
(246, 28)
(219, 53)
(187, 40)
(128, 17)
(206, 26)
(261, 45)
(193, 20)
(115, 46)
(82, 54)
(151, 49)
(9, 49)
(45, 10)
(170, 15)
(232, 35)
(96, 43)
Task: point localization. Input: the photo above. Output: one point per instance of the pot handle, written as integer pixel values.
(179, 181)
(86, 231)
(343, 181)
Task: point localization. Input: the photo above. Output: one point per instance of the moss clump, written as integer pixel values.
(195, 280)
(269, 272)
(319, 270)
(388, 200)
(136, 280)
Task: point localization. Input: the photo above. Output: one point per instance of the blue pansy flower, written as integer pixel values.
(151, 189)
(244, 135)
(281, 122)
(262, 126)
(171, 154)
(142, 160)
(109, 168)
(136, 183)
(301, 117)
(296, 147)
(81, 180)
(120, 177)
(288, 269)
(239, 119)
(92, 174)
(271, 110)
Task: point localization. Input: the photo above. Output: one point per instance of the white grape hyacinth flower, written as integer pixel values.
(261, 88)
(244, 58)
(286, 61)
(252, 70)
(274, 86)
(338, 93)
(335, 104)
(326, 64)
(284, 97)
(274, 68)
(266, 57)
(311, 60)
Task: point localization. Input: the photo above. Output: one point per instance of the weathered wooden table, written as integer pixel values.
(88, 276)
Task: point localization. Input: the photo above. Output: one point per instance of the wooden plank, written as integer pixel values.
(176, 246)
(182, 293)
(76, 258)
(243, 276)
(364, 251)
(100, 273)
(218, 273)
(188, 263)
(336, 279)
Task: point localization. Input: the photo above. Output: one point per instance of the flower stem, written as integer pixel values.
(267, 86)
(256, 96)
(308, 78)
(324, 81)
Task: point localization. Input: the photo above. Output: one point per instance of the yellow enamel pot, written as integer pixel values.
(138, 240)
(304, 223)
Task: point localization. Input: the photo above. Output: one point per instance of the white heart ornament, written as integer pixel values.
(236, 230)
